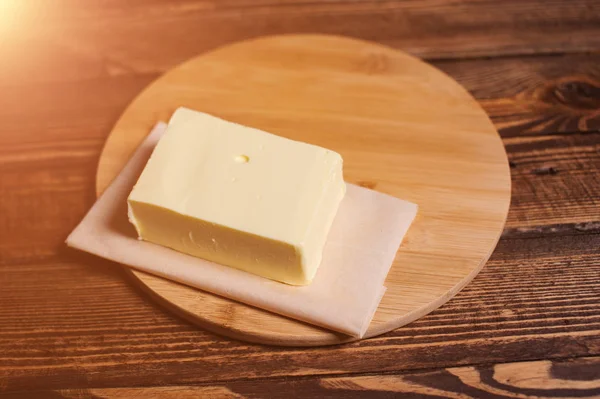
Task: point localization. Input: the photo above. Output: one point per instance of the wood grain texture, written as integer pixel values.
(555, 181)
(520, 94)
(50, 141)
(400, 125)
(71, 322)
(579, 378)
(35, 177)
(75, 40)
(22, 174)
(55, 131)
(95, 331)
(534, 95)
(551, 312)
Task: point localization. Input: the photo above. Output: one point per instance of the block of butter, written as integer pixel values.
(239, 197)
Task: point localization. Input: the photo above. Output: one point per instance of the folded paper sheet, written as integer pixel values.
(345, 293)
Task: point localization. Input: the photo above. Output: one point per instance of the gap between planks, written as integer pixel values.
(305, 377)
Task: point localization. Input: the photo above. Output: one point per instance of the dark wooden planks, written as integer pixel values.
(72, 322)
(534, 95)
(50, 141)
(37, 116)
(65, 40)
(556, 181)
(536, 379)
(68, 321)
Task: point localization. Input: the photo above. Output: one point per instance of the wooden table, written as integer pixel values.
(72, 326)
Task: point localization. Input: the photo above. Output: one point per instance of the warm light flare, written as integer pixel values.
(12, 15)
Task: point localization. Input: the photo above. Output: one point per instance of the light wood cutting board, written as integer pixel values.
(403, 128)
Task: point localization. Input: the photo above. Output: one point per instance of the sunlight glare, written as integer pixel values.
(11, 15)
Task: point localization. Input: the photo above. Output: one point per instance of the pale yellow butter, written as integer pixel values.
(238, 196)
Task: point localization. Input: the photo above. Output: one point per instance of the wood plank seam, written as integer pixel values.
(295, 378)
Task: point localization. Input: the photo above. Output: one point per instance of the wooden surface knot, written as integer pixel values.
(579, 95)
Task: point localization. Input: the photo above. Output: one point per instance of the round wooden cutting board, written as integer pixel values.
(403, 128)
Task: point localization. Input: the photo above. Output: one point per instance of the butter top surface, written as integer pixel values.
(237, 176)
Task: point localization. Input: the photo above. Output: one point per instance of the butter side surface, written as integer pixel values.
(238, 196)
